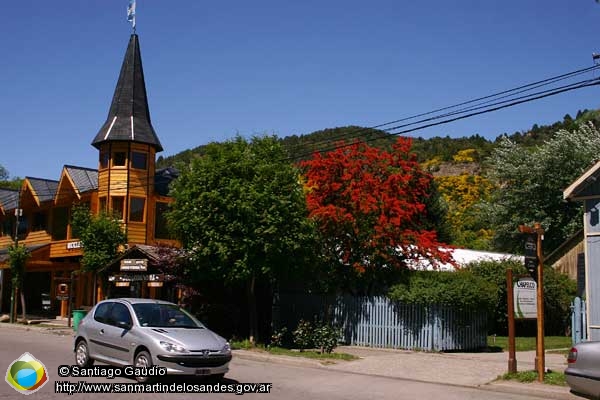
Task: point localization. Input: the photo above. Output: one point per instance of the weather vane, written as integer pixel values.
(131, 14)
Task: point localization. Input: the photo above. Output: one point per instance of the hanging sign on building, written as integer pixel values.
(132, 264)
(525, 298)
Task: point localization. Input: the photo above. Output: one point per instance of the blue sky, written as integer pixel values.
(217, 69)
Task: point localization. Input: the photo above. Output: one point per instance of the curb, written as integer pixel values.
(280, 359)
(59, 330)
(530, 389)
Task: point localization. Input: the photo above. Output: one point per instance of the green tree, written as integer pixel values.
(101, 237)
(3, 173)
(6, 182)
(530, 183)
(239, 211)
(17, 258)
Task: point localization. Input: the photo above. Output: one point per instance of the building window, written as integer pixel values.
(102, 204)
(160, 221)
(104, 156)
(136, 209)
(139, 160)
(40, 221)
(60, 220)
(23, 226)
(118, 204)
(8, 227)
(119, 159)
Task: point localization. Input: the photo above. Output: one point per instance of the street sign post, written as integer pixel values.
(533, 253)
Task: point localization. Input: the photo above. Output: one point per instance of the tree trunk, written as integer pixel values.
(252, 317)
(23, 303)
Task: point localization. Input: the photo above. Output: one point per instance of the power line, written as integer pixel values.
(498, 95)
(580, 85)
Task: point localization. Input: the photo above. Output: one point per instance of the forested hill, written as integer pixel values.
(439, 148)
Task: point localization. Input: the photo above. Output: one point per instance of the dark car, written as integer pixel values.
(583, 372)
(146, 332)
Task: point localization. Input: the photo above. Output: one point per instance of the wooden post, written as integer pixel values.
(64, 305)
(540, 309)
(512, 360)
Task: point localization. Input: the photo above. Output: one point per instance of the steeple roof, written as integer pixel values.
(129, 117)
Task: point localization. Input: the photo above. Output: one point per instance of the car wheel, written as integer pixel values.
(82, 355)
(143, 360)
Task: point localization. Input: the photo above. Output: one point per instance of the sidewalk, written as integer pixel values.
(477, 370)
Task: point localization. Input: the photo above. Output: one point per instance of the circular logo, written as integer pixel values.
(26, 374)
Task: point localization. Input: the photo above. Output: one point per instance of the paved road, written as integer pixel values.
(289, 381)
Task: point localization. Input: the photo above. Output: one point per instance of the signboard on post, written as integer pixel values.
(525, 298)
(531, 258)
(131, 264)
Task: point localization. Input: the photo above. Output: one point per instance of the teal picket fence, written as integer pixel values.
(380, 322)
(578, 321)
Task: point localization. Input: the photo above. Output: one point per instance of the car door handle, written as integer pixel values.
(102, 331)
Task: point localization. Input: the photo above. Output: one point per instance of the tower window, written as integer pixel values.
(136, 209)
(102, 204)
(118, 203)
(139, 160)
(119, 159)
(104, 156)
(161, 230)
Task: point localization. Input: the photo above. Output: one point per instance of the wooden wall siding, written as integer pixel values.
(380, 322)
(38, 237)
(567, 264)
(136, 232)
(59, 249)
(5, 241)
(118, 181)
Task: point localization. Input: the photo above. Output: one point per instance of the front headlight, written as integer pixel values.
(226, 348)
(172, 348)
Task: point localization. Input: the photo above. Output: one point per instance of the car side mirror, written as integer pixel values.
(123, 324)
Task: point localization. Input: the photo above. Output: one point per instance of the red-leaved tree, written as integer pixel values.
(370, 207)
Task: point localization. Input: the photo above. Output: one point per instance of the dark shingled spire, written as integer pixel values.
(129, 116)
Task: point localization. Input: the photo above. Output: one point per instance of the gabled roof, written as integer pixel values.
(43, 189)
(129, 116)
(9, 198)
(84, 179)
(586, 185)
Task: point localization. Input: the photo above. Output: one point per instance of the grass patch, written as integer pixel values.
(246, 345)
(311, 354)
(528, 343)
(550, 378)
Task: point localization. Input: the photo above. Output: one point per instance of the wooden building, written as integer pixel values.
(586, 189)
(126, 184)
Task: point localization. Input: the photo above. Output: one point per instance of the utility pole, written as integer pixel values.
(14, 291)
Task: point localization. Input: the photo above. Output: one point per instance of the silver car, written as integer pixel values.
(146, 332)
(583, 371)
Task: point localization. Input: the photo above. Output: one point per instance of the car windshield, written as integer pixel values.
(157, 315)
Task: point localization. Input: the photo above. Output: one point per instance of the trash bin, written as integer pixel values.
(77, 317)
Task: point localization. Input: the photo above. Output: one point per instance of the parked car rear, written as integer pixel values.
(583, 371)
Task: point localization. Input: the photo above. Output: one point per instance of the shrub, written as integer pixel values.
(303, 335)
(461, 290)
(559, 291)
(279, 338)
(326, 337)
